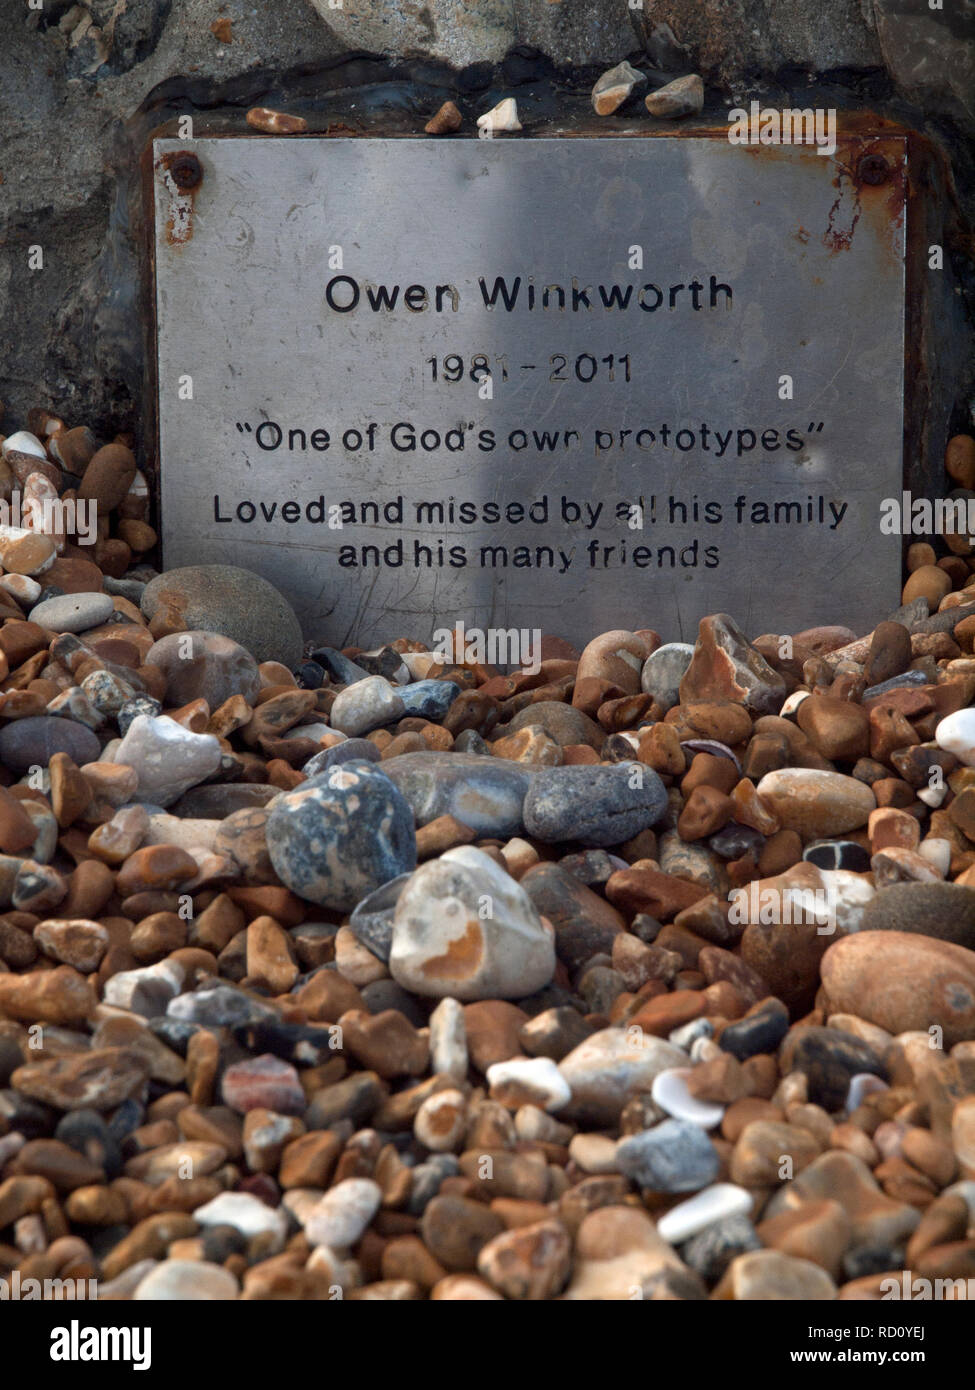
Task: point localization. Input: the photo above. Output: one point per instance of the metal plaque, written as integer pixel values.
(557, 383)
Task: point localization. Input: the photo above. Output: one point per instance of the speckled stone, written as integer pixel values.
(463, 927)
(342, 836)
(600, 805)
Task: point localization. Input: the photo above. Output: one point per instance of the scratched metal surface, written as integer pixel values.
(816, 264)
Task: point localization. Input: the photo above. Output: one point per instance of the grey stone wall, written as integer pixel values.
(83, 84)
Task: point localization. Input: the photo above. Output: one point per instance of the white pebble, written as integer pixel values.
(671, 1094)
(504, 116)
(343, 1214)
(956, 734)
(23, 442)
(448, 1040)
(537, 1080)
(937, 852)
(706, 1207)
(245, 1213)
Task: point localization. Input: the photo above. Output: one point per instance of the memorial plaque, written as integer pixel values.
(567, 383)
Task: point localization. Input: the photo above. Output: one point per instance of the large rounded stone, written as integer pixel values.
(903, 982)
(485, 793)
(235, 602)
(600, 805)
(341, 836)
(73, 612)
(204, 666)
(26, 743)
(816, 804)
(464, 927)
(942, 910)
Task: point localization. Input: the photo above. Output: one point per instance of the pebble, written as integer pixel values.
(244, 1213)
(767, 1275)
(186, 1281)
(815, 803)
(365, 706)
(611, 1067)
(343, 1214)
(722, 1202)
(167, 758)
(674, 1156)
(73, 612)
(530, 1262)
(663, 672)
(463, 927)
(603, 806)
(725, 666)
(485, 794)
(614, 87)
(670, 1092)
(342, 836)
(236, 603)
(903, 982)
(204, 666)
(448, 1040)
(503, 117)
(264, 1082)
(33, 742)
(943, 911)
(529, 1081)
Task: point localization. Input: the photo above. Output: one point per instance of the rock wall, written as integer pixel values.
(83, 84)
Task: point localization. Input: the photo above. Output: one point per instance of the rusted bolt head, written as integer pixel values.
(186, 171)
(873, 169)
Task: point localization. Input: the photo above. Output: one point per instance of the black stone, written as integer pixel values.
(838, 854)
(830, 1059)
(25, 1116)
(310, 676)
(761, 1031)
(295, 1042)
(647, 928)
(593, 867)
(732, 841)
(10, 1058)
(385, 662)
(872, 1259)
(129, 1116)
(470, 741)
(87, 1133)
(221, 1241)
(338, 667)
(173, 1032)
